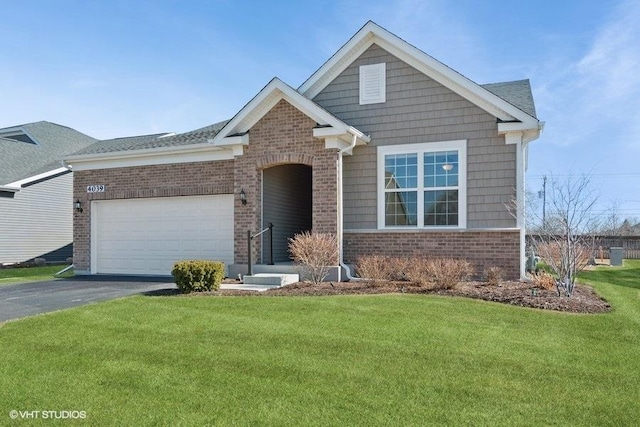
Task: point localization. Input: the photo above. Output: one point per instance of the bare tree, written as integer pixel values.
(567, 239)
(611, 223)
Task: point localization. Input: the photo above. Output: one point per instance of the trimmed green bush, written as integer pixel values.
(198, 275)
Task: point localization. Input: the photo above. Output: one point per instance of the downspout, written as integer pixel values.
(341, 212)
(520, 203)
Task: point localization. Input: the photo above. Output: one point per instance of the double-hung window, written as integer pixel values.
(422, 185)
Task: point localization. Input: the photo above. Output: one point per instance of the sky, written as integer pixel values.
(112, 68)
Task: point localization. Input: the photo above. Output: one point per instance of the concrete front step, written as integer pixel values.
(270, 280)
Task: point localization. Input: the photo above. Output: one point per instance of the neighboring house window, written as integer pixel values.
(422, 185)
(373, 87)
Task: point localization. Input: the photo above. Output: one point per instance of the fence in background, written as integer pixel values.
(630, 245)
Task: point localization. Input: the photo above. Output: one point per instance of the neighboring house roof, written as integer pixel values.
(34, 148)
(517, 93)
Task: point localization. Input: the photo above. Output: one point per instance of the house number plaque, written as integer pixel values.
(95, 188)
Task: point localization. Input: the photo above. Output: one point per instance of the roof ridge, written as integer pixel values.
(134, 136)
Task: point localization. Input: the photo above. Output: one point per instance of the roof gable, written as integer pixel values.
(371, 33)
(235, 131)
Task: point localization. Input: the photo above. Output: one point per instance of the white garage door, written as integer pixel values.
(147, 236)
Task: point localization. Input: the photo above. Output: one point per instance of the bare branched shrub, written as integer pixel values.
(565, 259)
(398, 267)
(418, 271)
(493, 276)
(566, 238)
(543, 280)
(315, 253)
(374, 267)
(379, 267)
(447, 273)
(438, 273)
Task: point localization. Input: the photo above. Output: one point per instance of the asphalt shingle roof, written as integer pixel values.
(197, 136)
(517, 93)
(20, 159)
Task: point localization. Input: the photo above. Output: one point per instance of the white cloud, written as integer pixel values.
(596, 94)
(612, 64)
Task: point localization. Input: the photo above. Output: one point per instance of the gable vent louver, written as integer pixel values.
(373, 84)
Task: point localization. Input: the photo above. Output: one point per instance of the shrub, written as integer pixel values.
(40, 262)
(198, 275)
(543, 280)
(378, 267)
(438, 273)
(447, 273)
(375, 267)
(493, 276)
(417, 270)
(315, 253)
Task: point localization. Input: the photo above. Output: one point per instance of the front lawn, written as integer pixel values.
(32, 274)
(339, 360)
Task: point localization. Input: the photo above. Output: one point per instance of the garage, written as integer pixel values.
(147, 236)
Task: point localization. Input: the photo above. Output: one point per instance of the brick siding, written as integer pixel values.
(283, 136)
(483, 249)
(184, 179)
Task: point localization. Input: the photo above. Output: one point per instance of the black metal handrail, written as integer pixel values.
(250, 237)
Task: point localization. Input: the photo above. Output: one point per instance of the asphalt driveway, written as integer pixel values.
(27, 299)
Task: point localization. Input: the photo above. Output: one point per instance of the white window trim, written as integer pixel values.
(420, 149)
(373, 70)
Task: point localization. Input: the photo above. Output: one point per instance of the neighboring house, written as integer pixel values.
(384, 146)
(36, 191)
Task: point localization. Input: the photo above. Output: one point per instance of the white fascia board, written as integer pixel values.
(154, 156)
(344, 136)
(268, 97)
(234, 143)
(337, 143)
(44, 175)
(339, 61)
(15, 131)
(235, 140)
(527, 134)
(372, 33)
(9, 189)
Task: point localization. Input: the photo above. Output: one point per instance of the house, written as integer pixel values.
(384, 146)
(36, 191)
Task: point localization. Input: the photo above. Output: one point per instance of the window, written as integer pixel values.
(422, 185)
(373, 83)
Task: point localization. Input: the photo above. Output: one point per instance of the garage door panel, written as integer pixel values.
(147, 236)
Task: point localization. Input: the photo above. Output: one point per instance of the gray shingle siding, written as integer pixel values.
(419, 109)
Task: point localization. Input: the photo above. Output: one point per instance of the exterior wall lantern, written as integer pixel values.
(78, 206)
(243, 197)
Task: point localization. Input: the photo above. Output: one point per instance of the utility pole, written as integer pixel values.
(544, 202)
(543, 194)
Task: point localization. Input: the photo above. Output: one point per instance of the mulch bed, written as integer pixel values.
(583, 300)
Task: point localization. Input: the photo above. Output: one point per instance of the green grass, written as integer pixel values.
(341, 360)
(31, 274)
